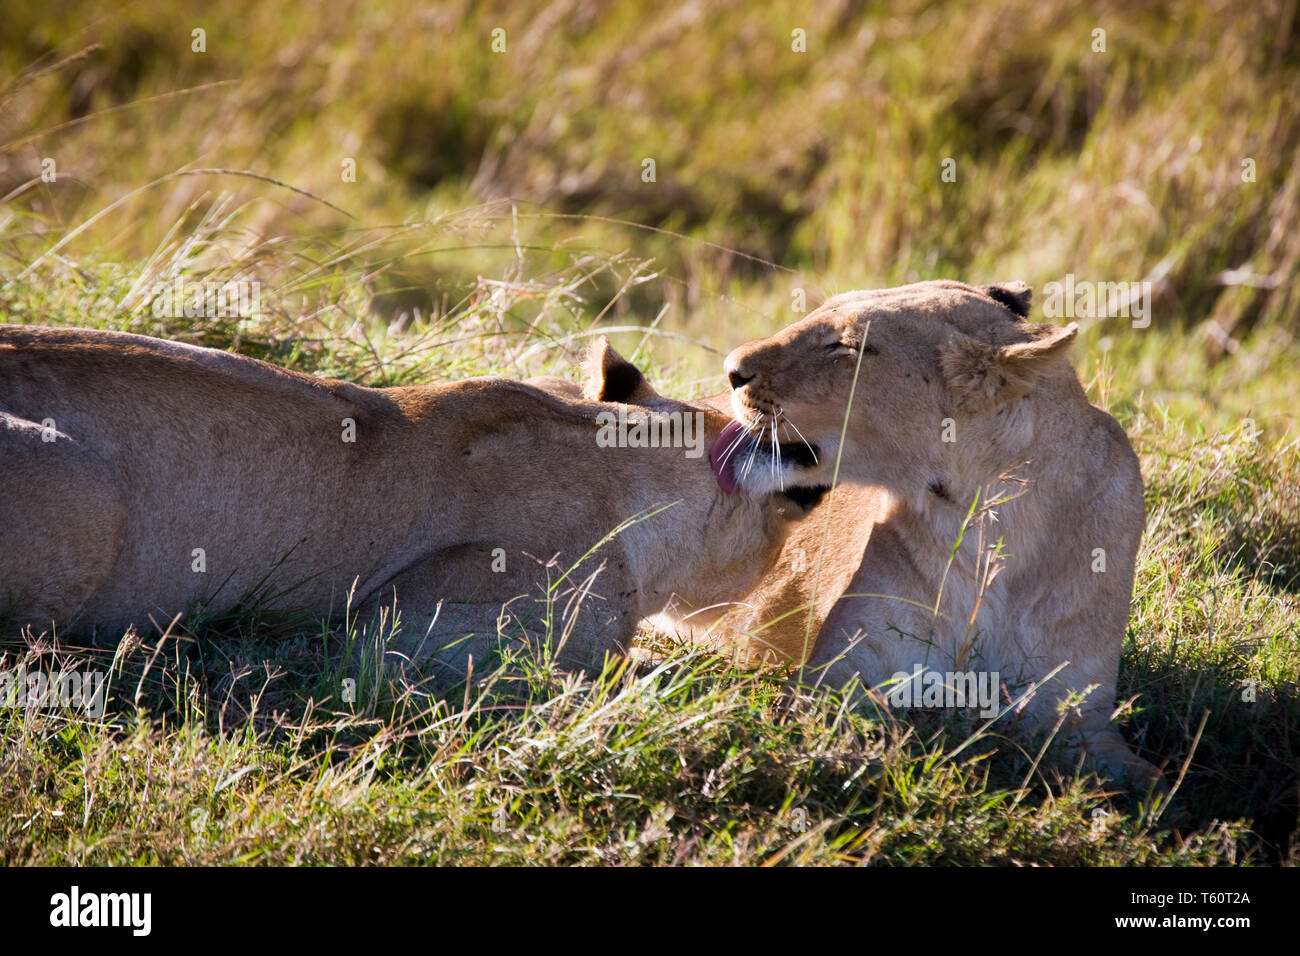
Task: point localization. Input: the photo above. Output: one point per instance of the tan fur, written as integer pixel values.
(944, 353)
(159, 449)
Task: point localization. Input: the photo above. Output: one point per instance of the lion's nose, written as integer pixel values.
(733, 365)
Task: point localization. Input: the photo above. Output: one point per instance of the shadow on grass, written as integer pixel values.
(1246, 763)
(729, 752)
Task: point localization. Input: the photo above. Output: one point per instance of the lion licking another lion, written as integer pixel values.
(954, 502)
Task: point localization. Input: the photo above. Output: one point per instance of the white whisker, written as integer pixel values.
(776, 454)
(802, 439)
(749, 459)
(747, 431)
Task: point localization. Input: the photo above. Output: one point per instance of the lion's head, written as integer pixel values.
(934, 377)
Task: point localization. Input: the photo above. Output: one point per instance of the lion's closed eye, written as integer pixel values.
(868, 349)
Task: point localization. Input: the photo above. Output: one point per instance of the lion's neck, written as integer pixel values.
(738, 539)
(998, 494)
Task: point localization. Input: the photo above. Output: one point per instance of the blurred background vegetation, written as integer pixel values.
(775, 169)
(498, 214)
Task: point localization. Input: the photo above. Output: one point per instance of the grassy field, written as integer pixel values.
(416, 207)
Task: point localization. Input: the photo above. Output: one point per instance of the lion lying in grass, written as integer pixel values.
(965, 423)
(143, 478)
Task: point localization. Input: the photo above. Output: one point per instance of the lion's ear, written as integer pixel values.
(981, 376)
(612, 378)
(1016, 296)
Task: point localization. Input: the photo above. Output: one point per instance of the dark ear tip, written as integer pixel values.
(622, 383)
(1015, 296)
(610, 377)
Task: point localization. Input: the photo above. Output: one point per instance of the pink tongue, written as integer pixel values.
(724, 454)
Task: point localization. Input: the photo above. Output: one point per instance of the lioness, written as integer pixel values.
(139, 477)
(952, 408)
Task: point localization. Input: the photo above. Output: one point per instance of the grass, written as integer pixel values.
(497, 217)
